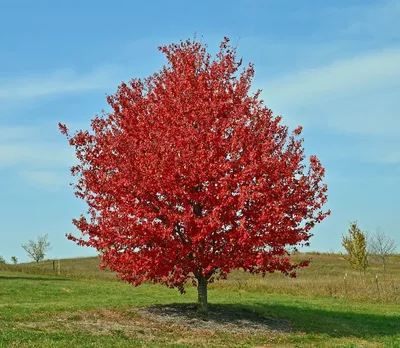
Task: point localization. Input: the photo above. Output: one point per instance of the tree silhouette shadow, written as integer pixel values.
(219, 317)
(333, 323)
(259, 317)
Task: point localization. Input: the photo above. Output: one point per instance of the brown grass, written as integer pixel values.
(139, 325)
(329, 275)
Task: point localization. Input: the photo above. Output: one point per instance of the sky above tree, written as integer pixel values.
(330, 66)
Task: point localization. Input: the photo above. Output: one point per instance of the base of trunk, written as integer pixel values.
(202, 302)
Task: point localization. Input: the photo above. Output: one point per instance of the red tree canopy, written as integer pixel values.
(191, 176)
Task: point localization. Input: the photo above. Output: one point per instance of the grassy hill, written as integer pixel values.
(329, 275)
(83, 267)
(87, 307)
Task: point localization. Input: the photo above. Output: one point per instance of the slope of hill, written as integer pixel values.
(86, 307)
(329, 275)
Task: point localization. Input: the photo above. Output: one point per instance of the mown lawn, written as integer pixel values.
(48, 311)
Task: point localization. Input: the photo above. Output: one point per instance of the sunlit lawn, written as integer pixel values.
(60, 311)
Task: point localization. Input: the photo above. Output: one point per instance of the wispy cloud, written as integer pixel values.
(37, 145)
(381, 18)
(354, 83)
(15, 133)
(35, 154)
(36, 160)
(47, 179)
(372, 70)
(357, 96)
(59, 82)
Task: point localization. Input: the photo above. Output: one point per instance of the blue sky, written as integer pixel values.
(331, 66)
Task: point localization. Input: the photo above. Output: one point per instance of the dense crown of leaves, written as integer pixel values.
(190, 175)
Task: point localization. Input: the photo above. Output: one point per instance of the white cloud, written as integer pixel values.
(312, 86)
(36, 154)
(353, 86)
(36, 158)
(8, 133)
(44, 178)
(378, 19)
(36, 145)
(357, 96)
(58, 82)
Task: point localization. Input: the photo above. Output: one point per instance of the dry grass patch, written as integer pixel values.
(179, 323)
(95, 322)
(220, 318)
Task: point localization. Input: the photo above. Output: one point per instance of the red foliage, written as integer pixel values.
(190, 175)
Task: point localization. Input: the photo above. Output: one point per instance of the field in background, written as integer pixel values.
(86, 307)
(329, 275)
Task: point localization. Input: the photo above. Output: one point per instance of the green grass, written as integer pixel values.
(84, 307)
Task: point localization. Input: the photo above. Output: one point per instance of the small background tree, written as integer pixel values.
(382, 246)
(2, 260)
(37, 250)
(356, 246)
(14, 260)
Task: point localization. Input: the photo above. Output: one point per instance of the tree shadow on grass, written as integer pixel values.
(219, 317)
(49, 279)
(264, 317)
(332, 323)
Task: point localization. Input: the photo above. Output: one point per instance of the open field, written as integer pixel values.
(86, 307)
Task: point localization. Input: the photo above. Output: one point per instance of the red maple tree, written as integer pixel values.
(190, 176)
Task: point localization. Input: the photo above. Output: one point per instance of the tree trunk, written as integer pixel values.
(202, 303)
